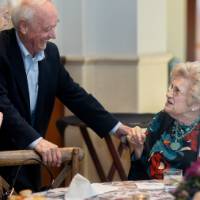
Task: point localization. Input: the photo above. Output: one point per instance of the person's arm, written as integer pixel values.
(78, 100)
(1, 118)
(21, 133)
(14, 125)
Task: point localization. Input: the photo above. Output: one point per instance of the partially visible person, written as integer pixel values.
(1, 118)
(31, 77)
(173, 137)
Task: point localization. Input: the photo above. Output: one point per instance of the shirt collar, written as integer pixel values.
(25, 53)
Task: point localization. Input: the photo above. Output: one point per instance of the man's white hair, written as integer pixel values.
(24, 10)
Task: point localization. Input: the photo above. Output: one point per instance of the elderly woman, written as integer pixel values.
(172, 139)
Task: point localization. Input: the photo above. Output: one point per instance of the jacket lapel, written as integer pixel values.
(42, 87)
(18, 68)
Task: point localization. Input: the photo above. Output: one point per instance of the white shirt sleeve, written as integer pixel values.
(113, 132)
(114, 129)
(34, 143)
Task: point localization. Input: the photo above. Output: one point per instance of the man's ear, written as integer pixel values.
(23, 27)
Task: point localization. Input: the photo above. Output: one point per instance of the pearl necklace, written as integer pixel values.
(180, 131)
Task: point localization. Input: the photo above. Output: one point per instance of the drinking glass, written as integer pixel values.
(172, 177)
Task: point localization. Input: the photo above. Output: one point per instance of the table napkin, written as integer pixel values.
(81, 188)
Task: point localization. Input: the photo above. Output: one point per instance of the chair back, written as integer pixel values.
(71, 157)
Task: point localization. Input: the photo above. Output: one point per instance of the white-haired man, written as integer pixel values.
(31, 76)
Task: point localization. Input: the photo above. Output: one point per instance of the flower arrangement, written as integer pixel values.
(189, 188)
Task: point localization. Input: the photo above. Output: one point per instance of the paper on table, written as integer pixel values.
(80, 188)
(149, 186)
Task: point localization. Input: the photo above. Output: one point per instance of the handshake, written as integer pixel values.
(135, 137)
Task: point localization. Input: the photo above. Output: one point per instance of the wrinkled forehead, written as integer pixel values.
(181, 83)
(45, 14)
(45, 11)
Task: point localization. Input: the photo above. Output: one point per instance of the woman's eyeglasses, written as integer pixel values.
(175, 90)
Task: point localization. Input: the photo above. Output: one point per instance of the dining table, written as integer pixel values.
(126, 190)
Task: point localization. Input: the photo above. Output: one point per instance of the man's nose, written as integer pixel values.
(52, 34)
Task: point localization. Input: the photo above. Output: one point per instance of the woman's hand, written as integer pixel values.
(136, 140)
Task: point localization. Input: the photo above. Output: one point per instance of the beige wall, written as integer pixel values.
(176, 28)
(151, 27)
(152, 82)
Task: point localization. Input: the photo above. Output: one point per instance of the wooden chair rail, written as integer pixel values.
(71, 156)
(17, 157)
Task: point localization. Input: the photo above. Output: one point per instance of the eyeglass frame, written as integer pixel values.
(175, 90)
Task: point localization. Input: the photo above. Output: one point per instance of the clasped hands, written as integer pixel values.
(135, 136)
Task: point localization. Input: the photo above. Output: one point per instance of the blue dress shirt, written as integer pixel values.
(32, 73)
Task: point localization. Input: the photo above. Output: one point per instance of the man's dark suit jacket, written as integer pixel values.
(17, 132)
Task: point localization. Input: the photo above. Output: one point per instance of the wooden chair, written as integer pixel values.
(71, 156)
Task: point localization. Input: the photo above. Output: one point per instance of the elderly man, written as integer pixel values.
(31, 76)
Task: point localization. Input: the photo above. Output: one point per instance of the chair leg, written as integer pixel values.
(61, 176)
(75, 162)
(4, 186)
(73, 166)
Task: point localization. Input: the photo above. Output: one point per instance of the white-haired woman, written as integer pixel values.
(172, 138)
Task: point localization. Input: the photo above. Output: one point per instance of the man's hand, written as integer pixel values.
(1, 118)
(51, 154)
(123, 130)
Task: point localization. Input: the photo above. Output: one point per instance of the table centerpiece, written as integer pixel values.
(189, 188)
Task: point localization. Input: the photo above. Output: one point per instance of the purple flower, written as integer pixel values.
(194, 170)
(190, 185)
